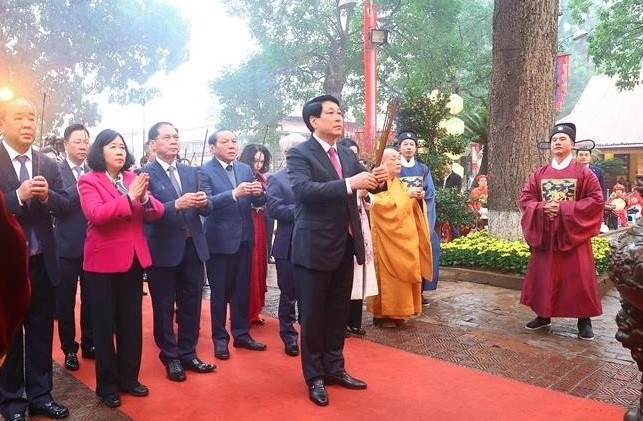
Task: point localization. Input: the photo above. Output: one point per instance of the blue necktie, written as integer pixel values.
(175, 182)
(30, 233)
(231, 175)
(79, 171)
(24, 174)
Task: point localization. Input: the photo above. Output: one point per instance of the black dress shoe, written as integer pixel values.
(317, 392)
(113, 400)
(198, 366)
(343, 379)
(16, 417)
(88, 353)
(356, 331)
(71, 361)
(175, 371)
(292, 350)
(250, 344)
(138, 391)
(221, 352)
(51, 409)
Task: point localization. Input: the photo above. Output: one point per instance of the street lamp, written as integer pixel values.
(378, 37)
(345, 7)
(580, 34)
(373, 37)
(346, 4)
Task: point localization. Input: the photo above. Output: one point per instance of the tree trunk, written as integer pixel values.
(522, 103)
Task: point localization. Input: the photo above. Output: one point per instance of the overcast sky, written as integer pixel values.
(217, 41)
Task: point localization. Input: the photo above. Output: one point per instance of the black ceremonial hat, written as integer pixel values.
(406, 135)
(568, 128)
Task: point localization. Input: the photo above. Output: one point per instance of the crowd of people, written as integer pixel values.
(93, 219)
(344, 235)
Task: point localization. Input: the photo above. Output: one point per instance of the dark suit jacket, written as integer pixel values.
(35, 213)
(323, 208)
(281, 207)
(166, 236)
(71, 225)
(453, 181)
(601, 178)
(230, 222)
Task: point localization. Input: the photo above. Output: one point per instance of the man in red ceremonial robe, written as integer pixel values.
(562, 205)
(14, 278)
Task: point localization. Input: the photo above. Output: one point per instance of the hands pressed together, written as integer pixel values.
(138, 188)
(36, 187)
(191, 200)
(416, 192)
(551, 209)
(369, 180)
(243, 189)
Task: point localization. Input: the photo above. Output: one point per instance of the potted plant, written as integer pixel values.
(453, 211)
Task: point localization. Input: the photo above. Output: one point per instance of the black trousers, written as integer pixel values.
(229, 278)
(324, 298)
(355, 314)
(116, 305)
(37, 332)
(71, 273)
(183, 285)
(287, 301)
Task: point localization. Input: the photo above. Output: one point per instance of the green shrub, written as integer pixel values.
(479, 249)
(452, 205)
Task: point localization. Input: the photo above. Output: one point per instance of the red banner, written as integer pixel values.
(562, 80)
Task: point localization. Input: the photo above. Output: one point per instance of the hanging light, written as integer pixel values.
(454, 126)
(455, 104)
(6, 94)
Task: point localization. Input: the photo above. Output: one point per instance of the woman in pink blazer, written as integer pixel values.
(116, 203)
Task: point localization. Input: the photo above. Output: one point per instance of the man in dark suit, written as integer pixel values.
(178, 248)
(33, 189)
(70, 239)
(281, 207)
(232, 191)
(326, 235)
(584, 157)
(452, 180)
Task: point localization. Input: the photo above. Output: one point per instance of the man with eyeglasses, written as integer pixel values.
(178, 248)
(70, 238)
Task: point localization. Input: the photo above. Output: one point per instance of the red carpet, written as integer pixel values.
(269, 386)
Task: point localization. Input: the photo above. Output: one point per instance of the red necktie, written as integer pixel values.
(334, 159)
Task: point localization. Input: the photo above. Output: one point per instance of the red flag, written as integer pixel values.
(562, 80)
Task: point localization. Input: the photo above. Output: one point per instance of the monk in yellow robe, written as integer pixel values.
(401, 248)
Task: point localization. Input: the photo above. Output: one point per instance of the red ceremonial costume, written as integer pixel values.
(561, 275)
(14, 277)
(259, 260)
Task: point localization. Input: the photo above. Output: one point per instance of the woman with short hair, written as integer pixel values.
(116, 202)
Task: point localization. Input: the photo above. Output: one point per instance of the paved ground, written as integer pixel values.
(476, 326)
